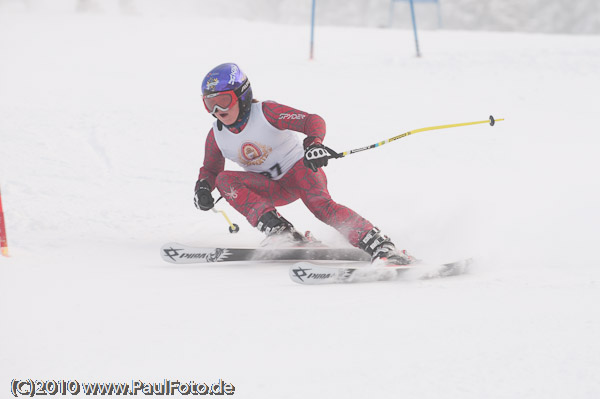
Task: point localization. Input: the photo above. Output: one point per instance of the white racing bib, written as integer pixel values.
(260, 147)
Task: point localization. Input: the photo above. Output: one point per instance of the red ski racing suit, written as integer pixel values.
(274, 173)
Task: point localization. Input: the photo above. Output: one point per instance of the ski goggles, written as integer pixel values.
(224, 100)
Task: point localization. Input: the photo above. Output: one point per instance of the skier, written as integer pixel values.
(278, 167)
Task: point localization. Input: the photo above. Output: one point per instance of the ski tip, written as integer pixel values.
(307, 273)
(457, 268)
(174, 252)
(170, 251)
(298, 272)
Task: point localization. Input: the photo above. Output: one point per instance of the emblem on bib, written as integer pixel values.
(253, 153)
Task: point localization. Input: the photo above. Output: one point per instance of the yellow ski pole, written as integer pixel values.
(491, 121)
(233, 228)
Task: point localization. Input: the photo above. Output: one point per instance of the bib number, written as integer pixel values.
(276, 169)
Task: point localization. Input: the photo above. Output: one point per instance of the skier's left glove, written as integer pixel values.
(317, 155)
(203, 198)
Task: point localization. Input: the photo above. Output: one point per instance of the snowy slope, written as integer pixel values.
(101, 136)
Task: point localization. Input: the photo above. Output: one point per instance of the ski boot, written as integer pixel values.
(382, 250)
(279, 231)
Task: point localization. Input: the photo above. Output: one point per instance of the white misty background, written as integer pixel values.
(555, 16)
(102, 130)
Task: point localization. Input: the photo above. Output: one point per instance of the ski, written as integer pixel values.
(313, 274)
(183, 254)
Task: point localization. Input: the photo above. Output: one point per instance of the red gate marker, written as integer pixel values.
(3, 241)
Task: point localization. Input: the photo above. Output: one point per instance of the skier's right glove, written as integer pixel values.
(203, 198)
(317, 155)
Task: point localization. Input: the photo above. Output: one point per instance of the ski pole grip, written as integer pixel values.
(332, 154)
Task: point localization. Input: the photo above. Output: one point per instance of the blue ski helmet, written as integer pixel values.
(226, 77)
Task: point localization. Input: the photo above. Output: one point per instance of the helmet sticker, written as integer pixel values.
(212, 83)
(234, 70)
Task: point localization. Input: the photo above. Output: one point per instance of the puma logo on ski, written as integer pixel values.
(318, 276)
(172, 253)
(213, 256)
(300, 273)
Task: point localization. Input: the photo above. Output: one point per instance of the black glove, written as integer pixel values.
(317, 155)
(203, 198)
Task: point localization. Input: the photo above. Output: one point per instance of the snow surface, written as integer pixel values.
(101, 136)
